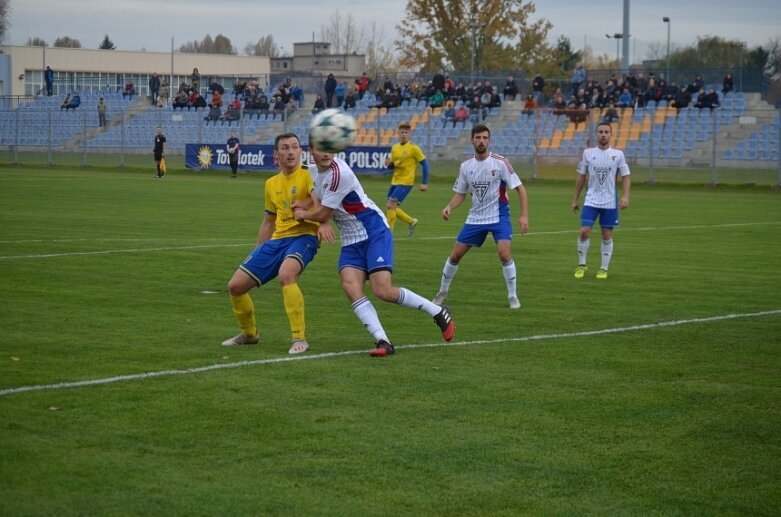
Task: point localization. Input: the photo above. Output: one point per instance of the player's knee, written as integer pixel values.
(386, 293)
(236, 288)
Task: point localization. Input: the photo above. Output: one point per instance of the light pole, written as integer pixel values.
(666, 20)
(617, 36)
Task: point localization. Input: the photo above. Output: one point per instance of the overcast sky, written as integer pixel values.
(150, 24)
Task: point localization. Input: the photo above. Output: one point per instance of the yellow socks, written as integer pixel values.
(391, 216)
(244, 310)
(404, 216)
(294, 307)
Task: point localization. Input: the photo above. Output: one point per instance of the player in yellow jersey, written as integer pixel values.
(285, 247)
(404, 159)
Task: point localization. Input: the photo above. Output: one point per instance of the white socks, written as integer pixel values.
(448, 272)
(582, 251)
(365, 311)
(508, 269)
(409, 299)
(607, 252)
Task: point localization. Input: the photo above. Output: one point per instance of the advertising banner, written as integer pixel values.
(261, 158)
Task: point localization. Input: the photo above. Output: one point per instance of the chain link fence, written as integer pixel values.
(735, 143)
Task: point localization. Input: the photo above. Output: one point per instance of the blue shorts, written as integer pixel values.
(608, 217)
(399, 193)
(264, 262)
(370, 255)
(475, 234)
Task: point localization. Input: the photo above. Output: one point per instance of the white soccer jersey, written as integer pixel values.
(488, 181)
(355, 214)
(601, 167)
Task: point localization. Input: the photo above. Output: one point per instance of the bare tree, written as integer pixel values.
(66, 42)
(773, 64)
(343, 33)
(36, 42)
(5, 15)
(379, 56)
(219, 45)
(265, 46)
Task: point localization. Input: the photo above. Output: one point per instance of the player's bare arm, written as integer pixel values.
(626, 183)
(266, 228)
(319, 214)
(454, 203)
(523, 219)
(578, 189)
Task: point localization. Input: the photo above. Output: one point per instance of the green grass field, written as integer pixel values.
(655, 392)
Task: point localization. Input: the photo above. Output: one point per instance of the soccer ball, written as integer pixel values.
(332, 130)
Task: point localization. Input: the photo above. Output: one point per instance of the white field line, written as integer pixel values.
(205, 246)
(329, 355)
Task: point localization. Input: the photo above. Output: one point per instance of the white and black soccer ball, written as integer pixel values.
(332, 130)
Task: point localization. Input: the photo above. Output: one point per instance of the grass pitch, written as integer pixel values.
(657, 391)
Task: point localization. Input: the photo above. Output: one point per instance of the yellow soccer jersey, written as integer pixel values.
(281, 192)
(405, 158)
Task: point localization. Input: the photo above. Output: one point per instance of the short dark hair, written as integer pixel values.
(605, 123)
(480, 128)
(283, 136)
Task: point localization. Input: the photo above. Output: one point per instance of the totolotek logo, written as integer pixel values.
(245, 157)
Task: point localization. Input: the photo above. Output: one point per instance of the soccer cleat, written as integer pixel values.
(580, 272)
(412, 227)
(515, 303)
(602, 274)
(242, 339)
(440, 298)
(382, 349)
(298, 347)
(445, 323)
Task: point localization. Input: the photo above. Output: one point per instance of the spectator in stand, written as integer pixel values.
(319, 105)
(477, 112)
(496, 100)
(437, 100)
(709, 99)
(510, 89)
(154, 88)
(611, 115)
(578, 78)
(238, 89)
(181, 101)
(263, 107)
(195, 81)
(363, 85)
(460, 93)
(66, 102)
(449, 115)
(296, 95)
(278, 108)
(438, 82)
(101, 112)
(485, 100)
(165, 91)
(196, 101)
(129, 90)
(625, 100)
(558, 105)
(529, 105)
(214, 86)
(341, 90)
(727, 85)
(576, 113)
(48, 76)
(682, 99)
(538, 85)
(74, 103)
(233, 112)
(670, 92)
(216, 101)
(461, 115)
(330, 90)
(214, 114)
(696, 85)
(349, 100)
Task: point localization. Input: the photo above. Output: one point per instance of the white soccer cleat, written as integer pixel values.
(241, 340)
(515, 303)
(298, 347)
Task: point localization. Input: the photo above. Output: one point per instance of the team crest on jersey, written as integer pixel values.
(602, 176)
(493, 173)
(480, 189)
(294, 191)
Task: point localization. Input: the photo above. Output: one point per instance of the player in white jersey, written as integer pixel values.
(367, 248)
(600, 166)
(488, 177)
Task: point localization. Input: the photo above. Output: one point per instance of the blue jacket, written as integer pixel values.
(340, 90)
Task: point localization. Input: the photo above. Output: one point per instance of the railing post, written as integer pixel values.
(714, 179)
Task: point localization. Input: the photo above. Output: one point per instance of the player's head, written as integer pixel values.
(287, 151)
(322, 159)
(404, 131)
(604, 130)
(159, 130)
(233, 133)
(481, 137)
